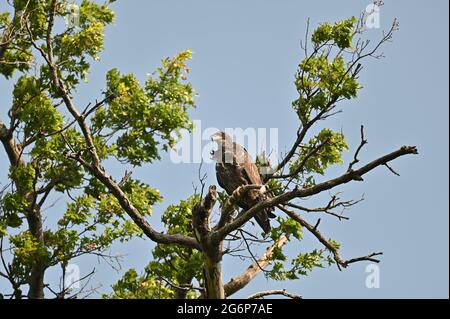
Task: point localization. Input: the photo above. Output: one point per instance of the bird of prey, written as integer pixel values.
(235, 168)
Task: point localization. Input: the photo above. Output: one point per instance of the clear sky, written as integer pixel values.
(245, 57)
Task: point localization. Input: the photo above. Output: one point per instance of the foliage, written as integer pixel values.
(144, 113)
(331, 146)
(62, 149)
(322, 79)
(134, 124)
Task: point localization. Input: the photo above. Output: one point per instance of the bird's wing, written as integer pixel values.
(230, 177)
(249, 168)
(252, 175)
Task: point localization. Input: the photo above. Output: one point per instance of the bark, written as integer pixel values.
(2, 51)
(213, 278)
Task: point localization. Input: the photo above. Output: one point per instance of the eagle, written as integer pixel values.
(234, 168)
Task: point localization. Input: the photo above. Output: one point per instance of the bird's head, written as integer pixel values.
(221, 137)
(223, 140)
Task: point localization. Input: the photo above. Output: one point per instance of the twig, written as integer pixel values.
(251, 254)
(332, 204)
(365, 258)
(361, 145)
(183, 287)
(391, 169)
(125, 178)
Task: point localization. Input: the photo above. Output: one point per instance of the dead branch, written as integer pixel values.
(240, 281)
(274, 292)
(391, 169)
(361, 145)
(328, 209)
(201, 214)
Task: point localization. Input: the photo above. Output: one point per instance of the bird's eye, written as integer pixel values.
(212, 152)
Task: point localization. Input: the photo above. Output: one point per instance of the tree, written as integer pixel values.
(64, 149)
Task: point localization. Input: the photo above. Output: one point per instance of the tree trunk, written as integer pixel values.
(180, 293)
(34, 216)
(36, 282)
(213, 278)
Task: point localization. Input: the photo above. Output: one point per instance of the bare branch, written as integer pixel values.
(315, 210)
(250, 252)
(332, 204)
(391, 169)
(274, 292)
(365, 258)
(88, 111)
(202, 179)
(361, 145)
(242, 280)
(125, 178)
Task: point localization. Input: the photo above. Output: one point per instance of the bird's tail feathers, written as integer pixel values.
(263, 221)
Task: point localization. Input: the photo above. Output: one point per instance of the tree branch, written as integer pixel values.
(361, 145)
(274, 292)
(332, 204)
(332, 248)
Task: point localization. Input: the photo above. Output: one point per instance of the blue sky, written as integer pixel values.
(245, 57)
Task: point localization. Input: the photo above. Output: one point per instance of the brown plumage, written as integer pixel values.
(235, 168)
